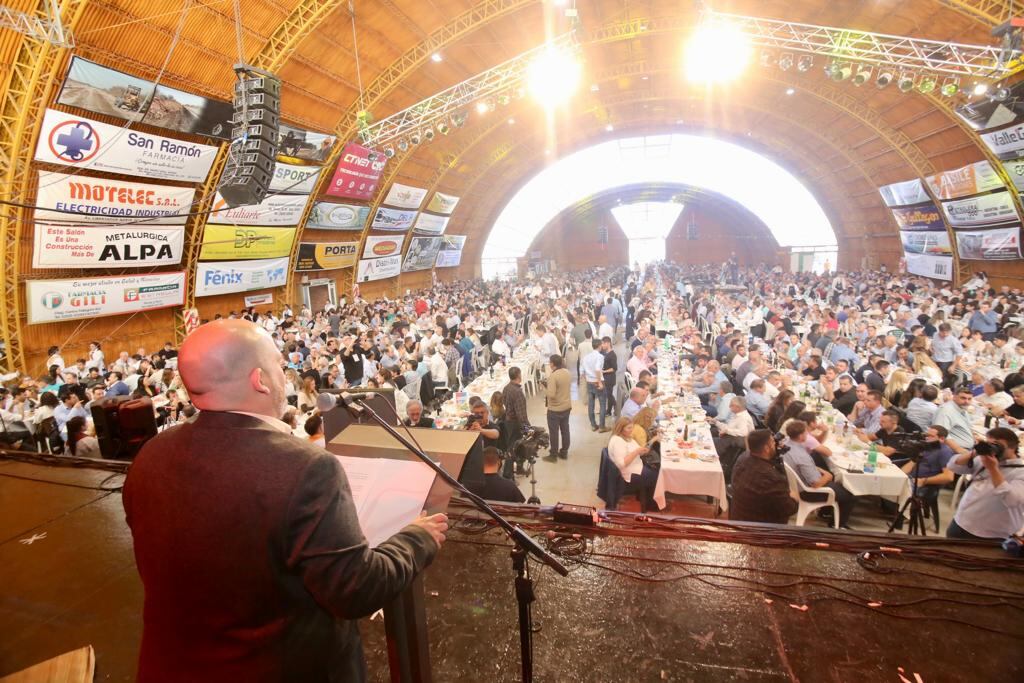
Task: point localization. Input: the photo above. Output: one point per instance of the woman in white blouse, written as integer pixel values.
(626, 454)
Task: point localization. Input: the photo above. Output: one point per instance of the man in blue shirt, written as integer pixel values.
(985, 320)
(116, 387)
(799, 459)
(757, 402)
(932, 473)
(869, 418)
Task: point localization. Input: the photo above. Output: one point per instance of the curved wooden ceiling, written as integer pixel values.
(842, 141)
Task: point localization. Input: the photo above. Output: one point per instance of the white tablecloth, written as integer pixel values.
(888, 480)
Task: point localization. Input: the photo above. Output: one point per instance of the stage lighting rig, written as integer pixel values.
(884, 78)
(863, 75)
(805, 63)
(905, 83)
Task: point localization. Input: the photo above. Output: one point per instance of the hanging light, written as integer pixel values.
(885, 77)
(459, 120)
(482, 107)
(403, 145)
(839, 71)
(950, 87)
(786, 61)
(415, 138)
(1001, 94)
(906, 82)
(554, 76)
(980, 89)
(804, 64)
(717, 52)
(927, 84)
(767, 58)
(443, 128)
(863, 75)
(428, 134)
(389, 152)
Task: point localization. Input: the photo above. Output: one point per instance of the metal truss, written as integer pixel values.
(986, 12)
(47, 27)
(506, 80)
(898, 52)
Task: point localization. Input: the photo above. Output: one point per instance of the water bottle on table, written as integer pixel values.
(872, 462)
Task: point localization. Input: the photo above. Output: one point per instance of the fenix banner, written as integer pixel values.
(240, 276)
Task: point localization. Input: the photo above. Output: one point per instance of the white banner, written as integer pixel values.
(442, 203)
(71, 140)
(54, 300)
(981, 210)
(448, 259)
(431, 225)
(1000, 244)
(927, 265)
(292, 179)
(279, 210)
(393, 219)
(1007, 143)
(971, 179)
(97, 200)
(405, 196)
(926, 243)
(331, 216)
(96, 246)
(259, 299)
(904, 194)
(378, 268)
(422, 253)
(377, 246)
(225, 277)
(1015, 169)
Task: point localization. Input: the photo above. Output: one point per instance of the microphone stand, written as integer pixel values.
(523, 543)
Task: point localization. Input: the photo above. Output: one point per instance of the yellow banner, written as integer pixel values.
(230, 243)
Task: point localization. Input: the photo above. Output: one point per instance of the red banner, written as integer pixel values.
(357, 175)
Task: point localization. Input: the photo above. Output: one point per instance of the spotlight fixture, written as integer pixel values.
(372, 156)
(885, 77)
(504, 99)
(838, 71)
(1001, 94)
(609, 128)
(415, 138)
(927, 84)
(428, 134)
(950, 87)
(553, 76)
(790, 91)
(389, 152)
(980, 89)
(863, 75)
(804, 64)
(459, 120)
(403, 145)
(786, 61)
(905, 82)
(767, 58)
(443, 128)
(482, 107)
(436, 57)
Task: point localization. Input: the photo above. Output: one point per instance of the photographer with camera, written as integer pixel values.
(992, 507)
(480, 421)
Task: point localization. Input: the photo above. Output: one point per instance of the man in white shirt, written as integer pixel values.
(499, 347)
(604, 329)
(738, 422)
(593, 372)
(638, 362)
(547, 343)
(993, 505)
(438, 368)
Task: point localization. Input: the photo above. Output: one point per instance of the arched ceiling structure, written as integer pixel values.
(841, 141)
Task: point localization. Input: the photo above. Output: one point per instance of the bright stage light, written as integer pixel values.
(482, 107)
(950, 87)
(790, 91)
(553, 77)
(980, 89)
(717, 53)
(436, 57)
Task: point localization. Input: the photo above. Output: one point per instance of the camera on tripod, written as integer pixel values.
(912, 446)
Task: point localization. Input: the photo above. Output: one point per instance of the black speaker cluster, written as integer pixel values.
(254, 138)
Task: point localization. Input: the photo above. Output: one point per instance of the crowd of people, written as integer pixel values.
(893, 352)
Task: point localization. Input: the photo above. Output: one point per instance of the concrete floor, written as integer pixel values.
(575, 480)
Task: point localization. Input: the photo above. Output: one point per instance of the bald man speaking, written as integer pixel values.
(246, 537)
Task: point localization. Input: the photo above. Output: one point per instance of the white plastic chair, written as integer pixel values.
(796, 486)
(958, 490)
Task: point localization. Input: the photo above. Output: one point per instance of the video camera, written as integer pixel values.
(780, 450)
(913, 446)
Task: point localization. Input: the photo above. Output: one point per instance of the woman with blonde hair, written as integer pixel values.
(898, 382)
(497, 406)
(926, 367)
(626, 454)
(643, 421)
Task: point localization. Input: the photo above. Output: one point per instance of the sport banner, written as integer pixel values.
(431, 225)
(393, 219)
(377, 246)
(97, 200)
(422, 253)
(228, 243)
(356, 175)
(971, 179)
(378, 268)
(278, 210)
(927, 265)
(330, 216)
(997, 244)
(985, 209)
(442, 203)
(292, 179)
(54, 300)
(101, 246)
(240, 276)
(451, 251)
(926, 243)
(907, 193)
(71, 140)
(326, 255)
(923, 217)
(405, 196)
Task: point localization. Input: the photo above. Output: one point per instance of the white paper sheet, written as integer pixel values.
(388, 493)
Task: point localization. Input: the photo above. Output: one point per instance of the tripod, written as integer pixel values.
(916, 504)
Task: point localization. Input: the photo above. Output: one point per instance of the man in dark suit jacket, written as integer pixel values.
(760, 488)
(246, 537)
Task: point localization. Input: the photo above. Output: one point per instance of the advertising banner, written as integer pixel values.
(442, 203)
(71, 140)
(984, 209)
(377, 246)
(182, 111)
(100, 246)
(923, 217)
(109, 202)
(451, 251)
(1006, 143)
(983, 114)
(240, 276)
(292, 179)
(1015, 169)
(356, 176)
(54, 300)
(927, 265)
(259, 299)
(405, 196)
(330, 216)
(303, 147)
(971, 179)
(378, 268)
(393, 219)
(228, 243)
(904, 194)
(422, 253)
(926, 243)
(326, 255)
(278, 210)
(999, 244)
(431, 225)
